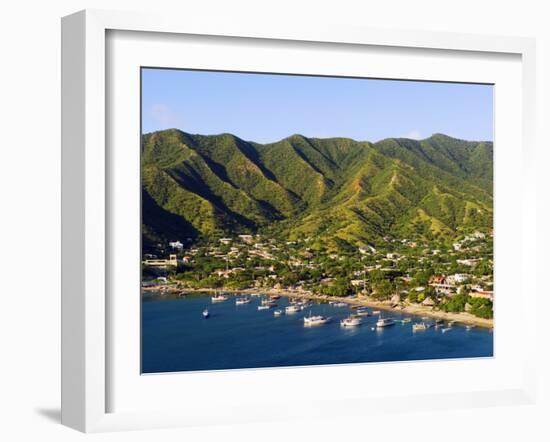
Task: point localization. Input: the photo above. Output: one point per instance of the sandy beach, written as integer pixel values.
(364, 301)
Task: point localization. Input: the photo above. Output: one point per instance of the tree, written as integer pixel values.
(382, 289)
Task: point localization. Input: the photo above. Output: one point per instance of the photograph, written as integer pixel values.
(302, 220)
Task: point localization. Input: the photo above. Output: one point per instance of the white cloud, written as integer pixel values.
(413, 134)
(164, 116)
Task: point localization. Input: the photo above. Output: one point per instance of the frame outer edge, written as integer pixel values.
(83, 370)
(83, 187)
(73, 80)
(530, 208)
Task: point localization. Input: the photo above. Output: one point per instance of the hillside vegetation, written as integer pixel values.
(338, 191)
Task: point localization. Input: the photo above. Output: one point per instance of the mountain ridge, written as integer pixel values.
(336, 189)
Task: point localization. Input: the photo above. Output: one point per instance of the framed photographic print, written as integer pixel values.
(316, 248)
(248, 213)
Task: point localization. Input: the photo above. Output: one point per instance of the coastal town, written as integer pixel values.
(445, 279)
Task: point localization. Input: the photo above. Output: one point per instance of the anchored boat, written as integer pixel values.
(351, 321)
(419, 326)
(293, 308)
(339, 304)
(315, 320)
(205, 313)
(385, 322)
(241, 301)
(219, 298)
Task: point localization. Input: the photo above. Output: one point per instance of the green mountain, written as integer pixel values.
(337, 190)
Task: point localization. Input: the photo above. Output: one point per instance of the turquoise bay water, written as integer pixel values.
(175, 337)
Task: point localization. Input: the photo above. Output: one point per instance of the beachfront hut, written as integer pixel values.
(428, 302)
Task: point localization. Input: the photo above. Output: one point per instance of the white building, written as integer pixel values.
(366, 249)
(176, 245)
(457, 278)
(246, 238)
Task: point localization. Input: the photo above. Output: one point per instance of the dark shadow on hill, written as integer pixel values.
(163, 223)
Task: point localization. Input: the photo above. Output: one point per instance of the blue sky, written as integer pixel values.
(266, 108)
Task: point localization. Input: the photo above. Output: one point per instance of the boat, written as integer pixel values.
(267, 305)
(255, 294)
(376, 312)
(351, 321)
(293, 308)
(315, 320)
(205, 313)
(277, 312)
(362, 311)
(445, 330)
(385, 322)
(451, 323)
(469, 327)
(419, 326)
(439, 321)
(339, 304)
(241, 301)
(275, 297)
(406, 320)
(219, 298)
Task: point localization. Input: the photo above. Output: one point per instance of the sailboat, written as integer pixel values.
(315, 320)
(384, 322)
(351, 321)
(219, 298)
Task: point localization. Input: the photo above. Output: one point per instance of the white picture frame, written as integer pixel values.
(86, 316)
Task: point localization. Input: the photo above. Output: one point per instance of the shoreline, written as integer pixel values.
(363, 301)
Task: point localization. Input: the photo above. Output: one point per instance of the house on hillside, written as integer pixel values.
(246, 238)
(437, 279)
(176, 245)
(458, 278)
(483, 294)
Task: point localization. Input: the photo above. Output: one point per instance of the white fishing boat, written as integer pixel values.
(406, 320)
(255, 294)
(264, 307)
(205, 313)
(293, 308)
(339, 304)
(419, 326)
(351, 321)
(376, 312)
(277, 312)
(445, 330)
(385, 322)
(241, 301)
(315, 320)
(362, 312)
(219, 298)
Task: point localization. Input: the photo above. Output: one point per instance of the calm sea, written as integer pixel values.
(175, 337)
